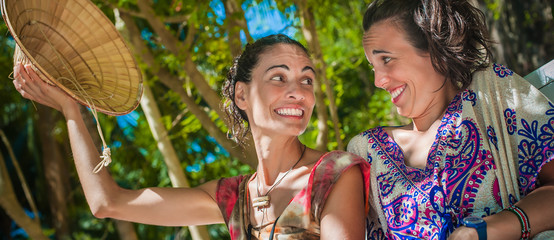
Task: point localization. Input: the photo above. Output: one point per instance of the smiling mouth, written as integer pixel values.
(295, 112)
(397, 92)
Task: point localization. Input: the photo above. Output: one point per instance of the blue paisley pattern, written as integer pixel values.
(459, 179)
(469, 96)
(502, 71)
(492, 136)
(511, 121)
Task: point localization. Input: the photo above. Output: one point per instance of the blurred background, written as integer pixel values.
(181, 46)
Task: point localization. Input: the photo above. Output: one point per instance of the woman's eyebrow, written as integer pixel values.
(379, 51)
(306, 68)
(278, 66)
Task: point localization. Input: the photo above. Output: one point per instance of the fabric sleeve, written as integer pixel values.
(519, 121)
(327, 172)
(227, 194)
(358, 145)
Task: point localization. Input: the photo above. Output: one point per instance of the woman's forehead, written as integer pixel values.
(284, 54)
(385, 36)
(385, 30)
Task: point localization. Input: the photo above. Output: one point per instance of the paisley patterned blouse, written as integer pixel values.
(301, 218)
(492, 142)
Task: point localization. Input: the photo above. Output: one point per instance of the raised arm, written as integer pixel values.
(158, 206)
(343, 216)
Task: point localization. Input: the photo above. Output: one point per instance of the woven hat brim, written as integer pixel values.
(74, 46)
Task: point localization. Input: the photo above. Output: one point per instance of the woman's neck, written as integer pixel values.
(276, 155)
(435, 111)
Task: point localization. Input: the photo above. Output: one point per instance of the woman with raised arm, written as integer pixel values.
(295, 193)
(475, 161)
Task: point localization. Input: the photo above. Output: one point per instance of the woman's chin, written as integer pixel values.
(403, 112)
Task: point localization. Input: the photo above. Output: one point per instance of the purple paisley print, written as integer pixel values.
(459, 178)
(402, 213)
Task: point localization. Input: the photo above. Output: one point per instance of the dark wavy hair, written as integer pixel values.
(241, 71)
(453, 32)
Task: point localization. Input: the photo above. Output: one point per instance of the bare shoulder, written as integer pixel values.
(209, 187)
(339, 222)
(398, 130)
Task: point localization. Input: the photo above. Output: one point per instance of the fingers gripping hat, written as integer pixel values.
(73, 45)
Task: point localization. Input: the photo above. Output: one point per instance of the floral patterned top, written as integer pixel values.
(301, 218)
(493, 140)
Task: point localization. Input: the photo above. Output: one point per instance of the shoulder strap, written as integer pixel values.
(327, 172)
(227, 194)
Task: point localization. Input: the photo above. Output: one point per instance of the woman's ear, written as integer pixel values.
(240, 95)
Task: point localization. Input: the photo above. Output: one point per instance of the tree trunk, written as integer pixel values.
(232, 19)
(19, 173)
(310, 34)
(247, 155)
(10, 204)
(160, 134)
(174, 46)
(126, 230)
(523, 33)
(55, 171)
(235, 22)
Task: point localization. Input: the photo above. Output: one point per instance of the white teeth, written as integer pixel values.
(397, 92)
(289, 111)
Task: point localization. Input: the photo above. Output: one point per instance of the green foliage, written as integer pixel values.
(137, 162)
(17, 117)
(360, 106)
(494, 7)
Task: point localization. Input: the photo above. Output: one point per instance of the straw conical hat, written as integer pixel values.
(73, 45)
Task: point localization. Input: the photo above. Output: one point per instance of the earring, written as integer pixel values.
(460, 84)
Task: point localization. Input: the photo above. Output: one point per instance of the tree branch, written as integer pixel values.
(174, 46)
(173, 82)
(11, 206)
(308, 29)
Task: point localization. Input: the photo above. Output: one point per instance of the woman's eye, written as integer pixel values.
(386, 59)
(277, 78)
(307, 81)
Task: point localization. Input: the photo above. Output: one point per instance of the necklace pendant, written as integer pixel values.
(260, 202)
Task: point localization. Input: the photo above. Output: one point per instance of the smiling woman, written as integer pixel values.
(283, 100)
(269, 91)
(476, 160)
(296, 192)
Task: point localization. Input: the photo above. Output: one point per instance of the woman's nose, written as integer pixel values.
(381, 79)
(296, 91)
